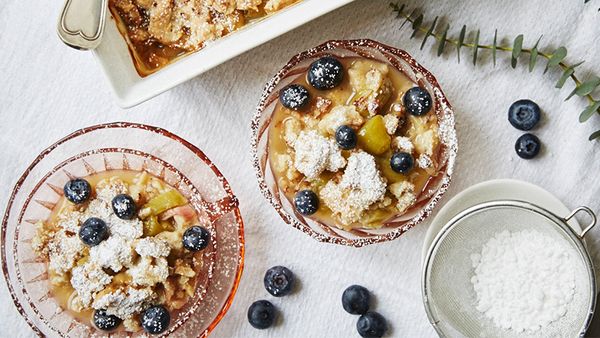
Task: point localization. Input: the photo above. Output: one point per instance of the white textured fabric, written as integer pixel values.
(48, 90)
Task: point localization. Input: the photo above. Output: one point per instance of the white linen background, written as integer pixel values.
(48, 90)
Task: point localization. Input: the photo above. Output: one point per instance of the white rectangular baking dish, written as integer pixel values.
(130, 89)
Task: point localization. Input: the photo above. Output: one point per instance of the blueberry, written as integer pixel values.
(325, 73)
(261, 314)
(155, 319)
(524, 114)
(279, 281)
(77, 190)
(401, 162)
(93, 231)
(106, 322)
(417, 101)
(196, 238)
(306, 202)
(355, 300)
(123, 206)
(345, 137)
(371, 324)
(528, 146)
(294, 96)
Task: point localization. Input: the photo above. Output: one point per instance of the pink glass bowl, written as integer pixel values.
(426, 199)
(122, 146)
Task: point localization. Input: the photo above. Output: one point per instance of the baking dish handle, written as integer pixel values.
(587, 211)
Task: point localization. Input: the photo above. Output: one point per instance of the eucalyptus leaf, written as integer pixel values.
(556, 58)
(443, 40)
(408, 18)
(398, 9)
(563, 78)
(494, 46)
(588, 87)
(429, 32)
(416, 24)
(461, 40)
(589, 111)
(534, 54)
(516, 52)
(594, 135)
(475, 48)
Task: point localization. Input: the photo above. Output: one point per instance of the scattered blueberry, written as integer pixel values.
(401, 162)
(345, 137)
(279, 281)
(325, 73)
(524, 114)
(77, 190)
(123, 206)
(371, 325)
(417, 101)
(106, 322)
(355, 300)
(306, 202)
(294, 96)
(93, 231)
(196, 238)
(155, 319)
(528, 146)
(261, 314)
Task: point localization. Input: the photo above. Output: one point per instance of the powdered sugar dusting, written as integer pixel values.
(524, 280)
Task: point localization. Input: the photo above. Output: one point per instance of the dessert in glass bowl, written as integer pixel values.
(357, 138)
(160, 31)
(135, 232)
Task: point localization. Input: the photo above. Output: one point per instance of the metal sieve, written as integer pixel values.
(448, 294)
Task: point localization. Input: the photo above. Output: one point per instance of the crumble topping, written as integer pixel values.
(338, 116)
(424, 161)
(361, 186)
(152, 247)
(64, 250)
(391, 123)
(149, 271)
(87, 280)
(371, 82)
(125, 302)
(403, 143)
(405, 194)
(114, 253)
(315, 153)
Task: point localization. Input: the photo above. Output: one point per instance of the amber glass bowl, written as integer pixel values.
(426, 200)
(122, 146)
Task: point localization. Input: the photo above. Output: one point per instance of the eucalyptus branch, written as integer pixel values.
(555, 59)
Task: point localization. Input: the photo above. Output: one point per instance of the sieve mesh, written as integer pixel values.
(448, 292)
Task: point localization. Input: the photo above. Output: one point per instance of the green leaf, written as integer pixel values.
(461, 40)
(563, 78)
(495, 46)
(516, 52)
(408, 18)
(556, 58)
(533, 55)
(443, 41)
(416, 24)
(475, 48)
(589, 111)
(594, 135)
(588, 86)
(398, 9)
(429, 32)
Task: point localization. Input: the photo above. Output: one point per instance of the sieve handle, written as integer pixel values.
(587, 211)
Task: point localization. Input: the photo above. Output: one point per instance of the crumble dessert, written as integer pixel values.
(159, 31)
(122, 247)
(353, 142)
